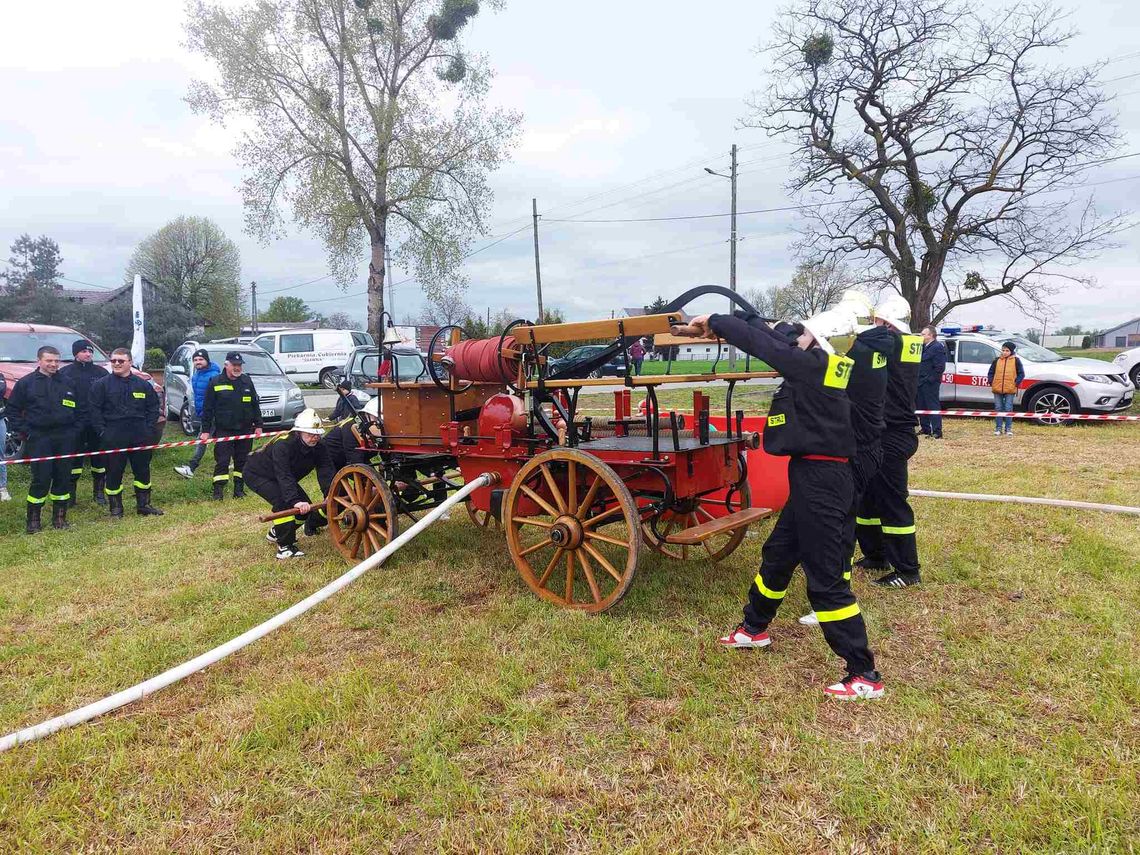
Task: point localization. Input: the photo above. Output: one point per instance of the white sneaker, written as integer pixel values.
(291, 551)
(742, 638)
(184, 471)
(271, 535)
(997, 433)
(5, 496)
(810, 619)
(1009, 432)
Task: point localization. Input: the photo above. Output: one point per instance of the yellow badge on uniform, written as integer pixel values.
(878, 360)
(247, 399)
(221, 388)
(776, 421)
(139, 394)
(912, 348)
(68, 402)
(838, 371)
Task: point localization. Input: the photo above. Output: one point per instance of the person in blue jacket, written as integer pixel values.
(204, 372)
(930, 373)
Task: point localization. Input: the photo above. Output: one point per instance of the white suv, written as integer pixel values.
(1052, 384)
(1128, 363)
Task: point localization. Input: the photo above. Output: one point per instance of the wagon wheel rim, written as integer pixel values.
(717, 547)
(482, 519)
(573, 530)
(361, 512)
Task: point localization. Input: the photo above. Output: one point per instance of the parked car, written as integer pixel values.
(614, 368)
(19, 343)
(281, 399)
(1129, 363)
(312, 356)
(363, 366)
(1053, 383)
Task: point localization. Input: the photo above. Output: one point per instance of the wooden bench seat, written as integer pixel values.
(700, 533)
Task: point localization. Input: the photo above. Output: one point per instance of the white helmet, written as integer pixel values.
(372, 408)
(309, 422)
(831, 322)
(894, 310)
(859, 303)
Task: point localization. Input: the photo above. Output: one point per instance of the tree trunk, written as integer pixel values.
(376, 289)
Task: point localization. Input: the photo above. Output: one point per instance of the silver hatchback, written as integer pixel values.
(281, 399)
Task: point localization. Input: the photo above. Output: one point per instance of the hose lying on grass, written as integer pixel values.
(1028, 500)
(173, 675)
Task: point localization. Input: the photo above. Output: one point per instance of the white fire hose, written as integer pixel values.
(1028, 500)
(173, 675)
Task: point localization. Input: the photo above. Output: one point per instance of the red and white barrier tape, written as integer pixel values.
(990, 414)
(182, 444)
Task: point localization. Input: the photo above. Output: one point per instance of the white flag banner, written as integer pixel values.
(138, 343)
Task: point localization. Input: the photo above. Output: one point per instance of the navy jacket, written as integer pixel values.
(933, 364)
(82, 376)
(123, 404)
(42, 403)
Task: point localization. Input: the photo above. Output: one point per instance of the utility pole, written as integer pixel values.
(537, 264)
(731, 244)
(391, 290)
(253, 298)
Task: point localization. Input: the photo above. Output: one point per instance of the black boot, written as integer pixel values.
(59, 514)
(74, 499)
(115, 505)
(98, 482)
(239, 488)
(34, 517)
(219, 490)
(143, 506)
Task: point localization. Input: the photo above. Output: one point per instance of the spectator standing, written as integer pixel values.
(1006, 374)
(124, 412)
(930, 373)
(5, 496)
(82, 373)
(43, 408)
(204, 372)
(230, 408)
(637, 354)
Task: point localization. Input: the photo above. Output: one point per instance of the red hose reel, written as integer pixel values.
(480, 360)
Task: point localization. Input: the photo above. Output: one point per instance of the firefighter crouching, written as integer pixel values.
(124, 412)
(275, 472)
(44, 409)
(809, 421)
(82, 373)
(230, 408)
(344, 440)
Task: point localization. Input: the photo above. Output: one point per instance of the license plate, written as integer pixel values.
(269, 414)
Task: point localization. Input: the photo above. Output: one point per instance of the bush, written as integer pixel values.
(1086, 342)
(155, 358)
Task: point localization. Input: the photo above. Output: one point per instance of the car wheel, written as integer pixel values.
(1052, 400)
(1136, 375)
(596, 374)
(186, 420)
(328, 378)
(13, 447)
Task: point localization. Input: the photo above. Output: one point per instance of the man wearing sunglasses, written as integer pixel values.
(124, 412)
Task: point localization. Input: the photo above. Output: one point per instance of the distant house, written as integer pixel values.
(102, 296)
(1125, 335)
(687, 349)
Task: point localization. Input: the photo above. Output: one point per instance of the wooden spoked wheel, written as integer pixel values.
(693, 513)
(573, 530)
(483, 519)
(361, 512)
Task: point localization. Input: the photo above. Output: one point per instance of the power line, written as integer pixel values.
(301, 285)
(91, 284)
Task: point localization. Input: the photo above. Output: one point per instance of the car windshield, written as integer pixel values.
(257, 364)
(22, 346)
(1033, 352)
(409, 366)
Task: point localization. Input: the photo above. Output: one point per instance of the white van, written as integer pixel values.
(312, 356)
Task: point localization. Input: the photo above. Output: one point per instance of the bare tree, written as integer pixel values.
(445, 307)
(942, 146)
(768, 301)
(366, 119)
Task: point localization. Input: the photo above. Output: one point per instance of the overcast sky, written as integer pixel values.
(624, 105)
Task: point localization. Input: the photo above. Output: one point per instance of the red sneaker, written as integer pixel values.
(740, 637)
(857, 687)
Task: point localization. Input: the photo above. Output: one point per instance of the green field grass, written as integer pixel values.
(699, 366)
(1106, 355)
(436, 705)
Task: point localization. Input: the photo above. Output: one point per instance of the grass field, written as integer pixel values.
(436, 705)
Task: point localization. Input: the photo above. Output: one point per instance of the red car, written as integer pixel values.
(19, 343)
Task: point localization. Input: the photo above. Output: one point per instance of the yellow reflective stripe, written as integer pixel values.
(223, 387)
(898, 529)
(776, 421)
(139, 394)
(221, 477)
(868, 521)
(140, 486)
(838, 371)
(878, 360)
(68, 403)
(56, 498)
(847, 576)
(77, 472)
(238, 475)
(98, 470)
(33, 500)
(114, 492)
(912, 348)
(284, 520)
(766, 591)
(838, 614)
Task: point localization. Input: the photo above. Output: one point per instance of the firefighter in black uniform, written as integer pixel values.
(809, 421)
(343, 438)
(124, 412)
(44, 409)
(82, 372)
(885, 522)
(230, 408)
(275, 472)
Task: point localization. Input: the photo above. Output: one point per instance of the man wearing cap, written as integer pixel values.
(885, 521)
(810, 421)
(43, 408)
(82, 372)
(230, 408)
(204, 372)
(124, 412)
(275, 472)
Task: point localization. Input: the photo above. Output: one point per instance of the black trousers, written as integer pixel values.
(51, 479)
(810, 532)
(125, 436)
(285, 529)
(864, 467)
(86, 440)
(236, 450)
(927, 399)
(885, 522)
(342, 457)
